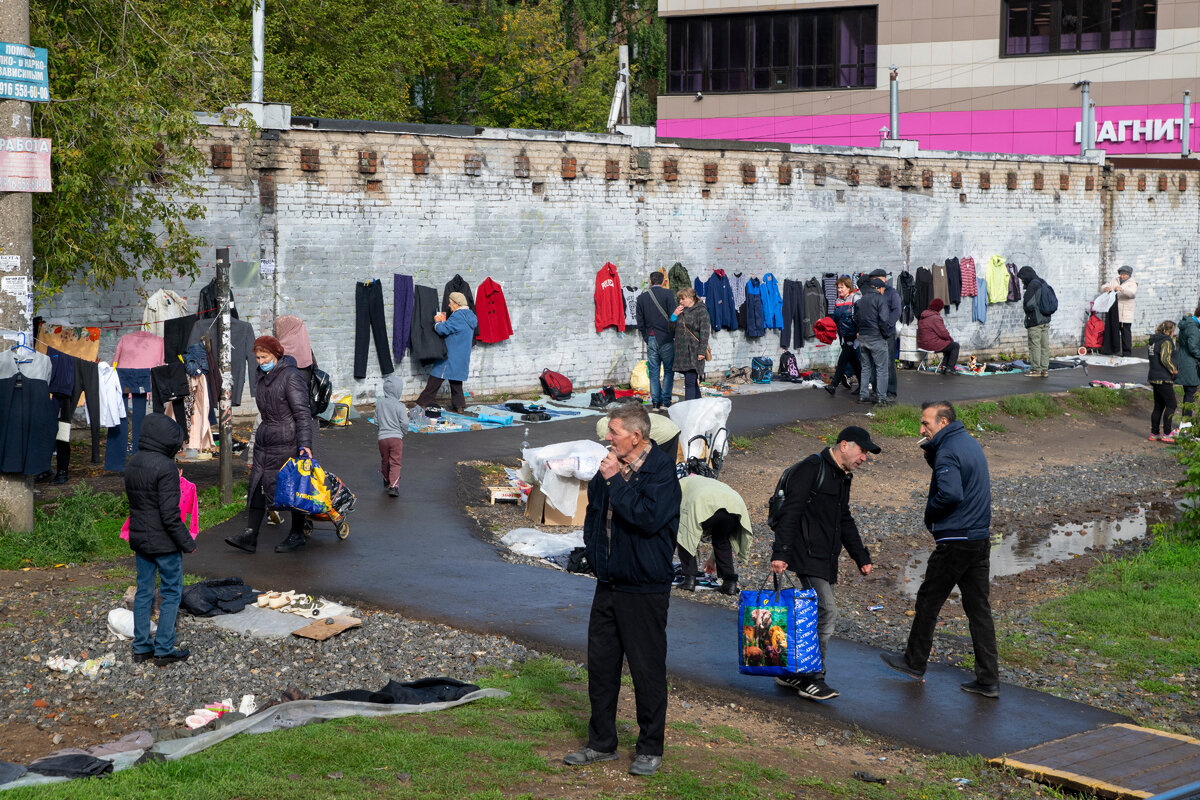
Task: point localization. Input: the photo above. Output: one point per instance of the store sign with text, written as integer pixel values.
(24, 164)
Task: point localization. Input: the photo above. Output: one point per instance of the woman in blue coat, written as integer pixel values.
(458, 329)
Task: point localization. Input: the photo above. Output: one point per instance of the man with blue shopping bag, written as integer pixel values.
(814, 524)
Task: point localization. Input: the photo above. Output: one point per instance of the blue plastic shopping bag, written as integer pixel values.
(301, 486)
(777, 632)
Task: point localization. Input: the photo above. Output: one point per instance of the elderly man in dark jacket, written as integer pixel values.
(958, 512)
(895, 306)
(629, 533)
(814, 525)
(876, 327)
(285, 432)
(1037, 324)
(157, 537)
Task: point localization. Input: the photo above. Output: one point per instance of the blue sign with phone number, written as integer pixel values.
(24, 73)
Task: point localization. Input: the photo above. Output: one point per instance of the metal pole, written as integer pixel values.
(256, 74)
(1185, 127)
(16, 239)
(224, 364)
(894, 101)
(1087, 126)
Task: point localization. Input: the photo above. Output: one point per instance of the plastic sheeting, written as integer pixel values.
(539, 544)
(702, 417)
(558, 468)
(280, 717)
(1103, 302)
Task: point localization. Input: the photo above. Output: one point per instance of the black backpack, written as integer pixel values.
(775, 504)
(320, 389)
(1047, 300)
(789, 368)
(761, 368)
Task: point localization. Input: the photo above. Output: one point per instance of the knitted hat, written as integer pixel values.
(1126, 270)
(269, 344)
(936, 305)
(458, 299)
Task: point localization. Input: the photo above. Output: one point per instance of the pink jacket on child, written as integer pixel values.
(189, 509)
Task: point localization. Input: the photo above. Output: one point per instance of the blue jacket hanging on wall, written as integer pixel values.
(718, 296)
(755, 324)
(772, 302)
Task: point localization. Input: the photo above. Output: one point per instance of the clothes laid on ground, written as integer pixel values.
(71, 765)
(163, 305)
(610, 307)
(208, 305)
(492, 313)
(457, 284)
(28, 417)
(402, 311)
(369, 322)
(10, 772)
(217, 596)
(425, 690)
(424, 341)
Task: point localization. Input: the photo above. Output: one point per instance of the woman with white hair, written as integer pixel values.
(458, 329)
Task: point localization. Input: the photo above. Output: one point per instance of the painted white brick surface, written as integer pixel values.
(543, 239)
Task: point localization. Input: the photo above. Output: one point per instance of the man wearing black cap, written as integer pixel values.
(875, 331)
(891, 298)
(959, 515)
(814, 525)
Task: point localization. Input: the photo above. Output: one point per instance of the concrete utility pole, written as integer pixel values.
(224, 364)
(1185, 127)
(1087, 125)
(16, 239)
(894, 101)
(256, 40)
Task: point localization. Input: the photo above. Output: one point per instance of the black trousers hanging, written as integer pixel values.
(87, 383)
(793, 315)
(369, 321)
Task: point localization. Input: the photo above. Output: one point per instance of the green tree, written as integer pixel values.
(126, 78)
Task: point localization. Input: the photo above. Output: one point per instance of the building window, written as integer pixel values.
(1034, 27)
(827, 49)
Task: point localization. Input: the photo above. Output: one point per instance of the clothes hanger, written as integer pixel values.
(18, 346)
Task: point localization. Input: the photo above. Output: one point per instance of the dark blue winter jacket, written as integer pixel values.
(755, 317)
(718, 296)
(843, 315)
(959, 505)
(873, 316)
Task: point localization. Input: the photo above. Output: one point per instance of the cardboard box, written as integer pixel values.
(541, 512)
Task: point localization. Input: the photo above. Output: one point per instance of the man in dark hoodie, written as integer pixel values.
(157, 537)
(1037, 324)
(958, 513)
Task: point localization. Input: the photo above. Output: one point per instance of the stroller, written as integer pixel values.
(703, 429)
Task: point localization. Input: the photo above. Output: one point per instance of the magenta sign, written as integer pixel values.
(24, 164)
(1120, 130)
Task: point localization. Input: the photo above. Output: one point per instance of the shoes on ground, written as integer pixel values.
(981, 689)
(729, 586)
(294, 541)
(898, 662)
(247, 540)
(1154, 437)
(178, 654)
(60, 478)
(139, 658)
(885, 402)
(587, 755)
(393, 491)
(689, 584)
(44, 477)
(807, 686)
(865, 401)
(645, 765)
(1167, 438)
(831, 388)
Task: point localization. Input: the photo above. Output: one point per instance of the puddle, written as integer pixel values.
(1015, 554)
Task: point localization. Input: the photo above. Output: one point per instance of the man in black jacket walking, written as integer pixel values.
(958, 513)
(814, 525)
(629, 534)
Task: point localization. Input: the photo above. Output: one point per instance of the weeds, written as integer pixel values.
(1033, 406)
(1099, 399)
(894, 422)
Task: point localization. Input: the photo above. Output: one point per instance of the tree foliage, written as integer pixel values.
(126, 77)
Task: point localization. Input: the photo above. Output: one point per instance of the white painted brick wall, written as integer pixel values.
(544, 244)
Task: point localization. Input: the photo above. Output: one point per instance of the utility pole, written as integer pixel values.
(224, 407)
(16, 240)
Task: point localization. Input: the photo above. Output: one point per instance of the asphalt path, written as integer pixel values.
(420, 555)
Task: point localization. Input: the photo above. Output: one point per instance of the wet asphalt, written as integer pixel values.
(419, 555)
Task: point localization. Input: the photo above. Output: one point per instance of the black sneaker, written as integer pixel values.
(897, 662)
(587, 756)
(393, 491)
(138, 658)
(818, 689)
(791, 681)
(982, 689)
(645, 765)
(170, 658)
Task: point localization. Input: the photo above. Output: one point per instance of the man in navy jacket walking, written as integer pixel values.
(958, 512)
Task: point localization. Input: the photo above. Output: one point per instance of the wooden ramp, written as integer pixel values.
(1115, 761)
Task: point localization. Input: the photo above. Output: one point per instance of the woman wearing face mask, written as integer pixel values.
(285, 432)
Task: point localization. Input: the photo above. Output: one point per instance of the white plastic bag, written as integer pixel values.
(702, 417)
(1104, 302)
(539, 544)
(120, 622)
(558, 468)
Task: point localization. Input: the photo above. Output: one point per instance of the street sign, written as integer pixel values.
(24, 164)
(24, 73)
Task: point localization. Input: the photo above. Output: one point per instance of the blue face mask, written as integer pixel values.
(267, 367)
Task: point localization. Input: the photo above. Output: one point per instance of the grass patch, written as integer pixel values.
(743, 443)
(86, 525)
(1034, 406)
(1099, 399)
(1139, 613)
(977, 417)
(895, 422)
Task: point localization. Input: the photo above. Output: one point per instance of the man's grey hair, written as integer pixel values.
(633, 418)
(944, 408)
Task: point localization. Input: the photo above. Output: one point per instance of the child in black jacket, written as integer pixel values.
(157, 536)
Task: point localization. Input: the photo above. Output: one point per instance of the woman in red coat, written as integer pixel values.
(933, 336)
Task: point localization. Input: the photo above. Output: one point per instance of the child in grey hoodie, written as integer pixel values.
(392, 418)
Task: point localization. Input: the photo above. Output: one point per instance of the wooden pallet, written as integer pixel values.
(503, 494)
(1116, 761)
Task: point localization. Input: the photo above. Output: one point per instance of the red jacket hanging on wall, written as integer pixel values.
(492, 311)
(610, 306)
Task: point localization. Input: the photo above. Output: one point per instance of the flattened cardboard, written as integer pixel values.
(322, 629)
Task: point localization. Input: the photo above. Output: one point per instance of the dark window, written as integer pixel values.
(1033, 27)
(831, 48)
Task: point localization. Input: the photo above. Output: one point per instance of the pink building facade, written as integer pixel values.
(975, 75)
